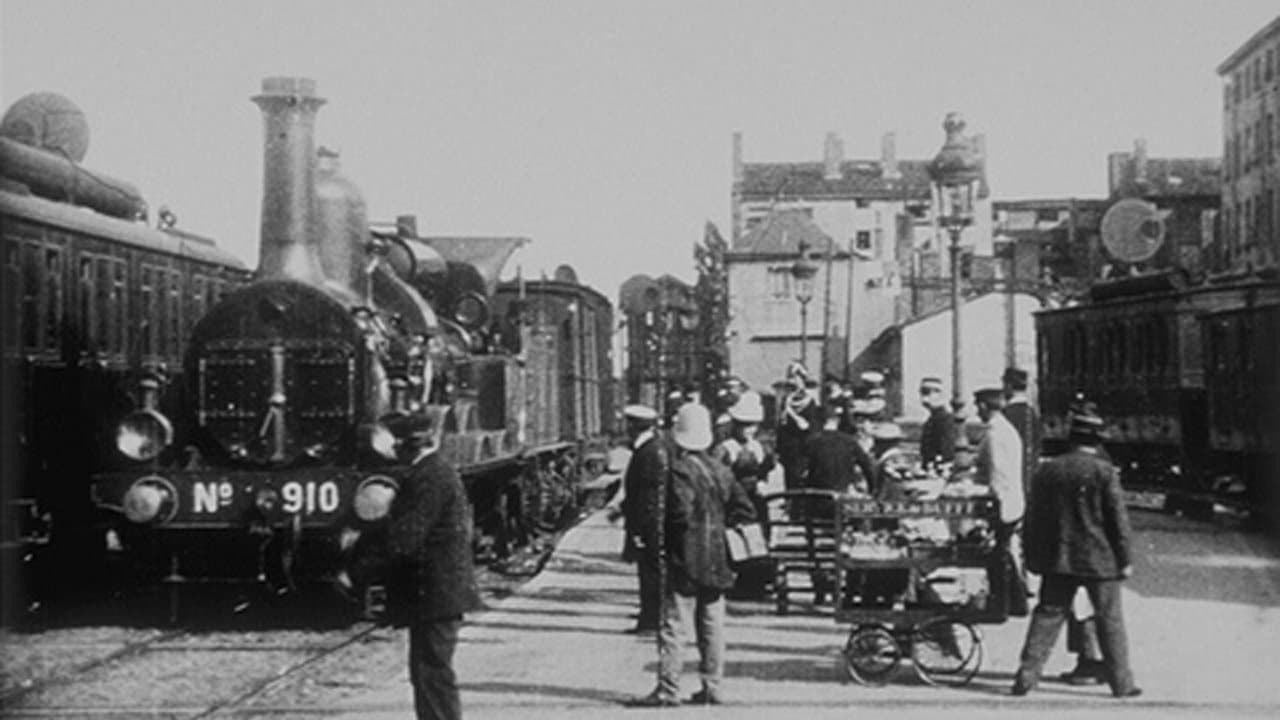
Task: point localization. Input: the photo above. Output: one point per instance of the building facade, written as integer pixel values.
(664, 347)
(1250, 229)
(868, 226)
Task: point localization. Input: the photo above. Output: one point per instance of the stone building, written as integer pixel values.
(1249, 237)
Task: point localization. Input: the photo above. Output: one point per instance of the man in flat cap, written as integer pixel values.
(641, 484)
(938, 434)
(1078, 535)
(1024, 418)
(999, 465)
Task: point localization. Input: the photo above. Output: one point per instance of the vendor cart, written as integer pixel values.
(913, 580)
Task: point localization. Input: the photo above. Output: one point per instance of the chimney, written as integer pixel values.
(1140, 161)
(289, 108)
(832, 157)
(889, 157)
(737, 157)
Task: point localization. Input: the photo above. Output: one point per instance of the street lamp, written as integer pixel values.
(955, 173)
(803, 271)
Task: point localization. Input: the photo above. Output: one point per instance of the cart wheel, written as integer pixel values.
(946, 652)
(871, 655)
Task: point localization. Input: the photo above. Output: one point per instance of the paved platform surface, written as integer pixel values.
(1205, 647)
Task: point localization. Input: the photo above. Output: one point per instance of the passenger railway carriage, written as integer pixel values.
(96, 307)
(1184, 374)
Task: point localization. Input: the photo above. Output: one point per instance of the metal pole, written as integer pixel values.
(804, 332)
(957, 370)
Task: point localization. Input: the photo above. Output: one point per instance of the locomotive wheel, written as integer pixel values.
(946, 652)
(871, 655)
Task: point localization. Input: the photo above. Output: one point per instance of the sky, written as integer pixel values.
(602, 130)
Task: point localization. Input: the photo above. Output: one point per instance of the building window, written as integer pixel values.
(862, 203)
(780, 282)
(1235, 86)
(1267, 72)
(862, 241)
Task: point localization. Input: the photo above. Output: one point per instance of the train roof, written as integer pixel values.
(83, 220)
(1158, 290)
(554, 286)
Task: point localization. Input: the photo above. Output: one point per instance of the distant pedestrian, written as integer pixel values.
(1078, 535)
(641, 484)
(799, 417)
(424, 559)
(702, 501)
(1024, 418)
(938, 434)
(750, 462)
(999, 465)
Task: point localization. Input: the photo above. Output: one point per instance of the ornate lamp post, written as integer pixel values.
(955, 173)
(802, 271)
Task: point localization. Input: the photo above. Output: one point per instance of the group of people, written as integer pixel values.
(684, 487)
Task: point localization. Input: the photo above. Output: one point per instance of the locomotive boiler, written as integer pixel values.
(285, 451)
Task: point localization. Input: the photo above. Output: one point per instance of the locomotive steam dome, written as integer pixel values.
(50, 122)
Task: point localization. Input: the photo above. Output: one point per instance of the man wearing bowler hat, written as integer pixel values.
(1077, 536)
(641, 482)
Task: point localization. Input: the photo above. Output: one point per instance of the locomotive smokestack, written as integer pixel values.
(287, 249)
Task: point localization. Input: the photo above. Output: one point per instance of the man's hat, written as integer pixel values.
(1085, 421)
(872, 377)
(862, 409)
(692, 428)
(723, 419)
(887, 432)
(1014, 376)
(640, 412)
(992, 396)
(748, 409)
(931, 384)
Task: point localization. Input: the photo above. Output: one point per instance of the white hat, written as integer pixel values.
(692, 428)
(748, 409)
(640, 412)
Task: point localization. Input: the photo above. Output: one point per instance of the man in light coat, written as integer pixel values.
(999, 465)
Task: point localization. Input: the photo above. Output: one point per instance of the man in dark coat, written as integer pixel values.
(702, 501)
(834, 460)
(798, 418)
(938, 434)
(425, 560)
(1024, 418)
(1078, 535)
(643, 478)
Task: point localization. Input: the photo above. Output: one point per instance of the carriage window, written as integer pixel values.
(104, 331)
(88, 321)
(12, 293)
(119, 306)
(147, 310)
(173, 330)
(198, 298)
(52, 298)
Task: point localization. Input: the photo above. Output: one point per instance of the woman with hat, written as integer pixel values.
(701, 502)
(750, 462)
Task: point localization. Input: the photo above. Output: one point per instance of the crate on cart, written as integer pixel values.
(914, 578)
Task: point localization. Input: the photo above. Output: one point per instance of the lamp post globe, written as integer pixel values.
(803, 271)
(954, 174)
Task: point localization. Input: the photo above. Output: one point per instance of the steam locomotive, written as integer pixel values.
(282, 449)
(1185, 375)
(92, 295)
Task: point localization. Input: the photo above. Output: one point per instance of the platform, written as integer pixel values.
(557, 649)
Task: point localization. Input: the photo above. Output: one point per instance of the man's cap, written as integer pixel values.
(1014, 376)
(692, 428)
(748, 409)
(863, 409)
(1086, 421)
(989, 395)
(872, 377)
(723, 419)
(931, 384)
(887, 432)
(640, 412)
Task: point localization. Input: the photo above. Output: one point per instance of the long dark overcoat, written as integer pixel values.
(641, 481)
(424, 554)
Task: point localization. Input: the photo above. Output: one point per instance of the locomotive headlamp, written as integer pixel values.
(373, 497)
(149, 499)
(144, 434)
(471, 310)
